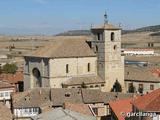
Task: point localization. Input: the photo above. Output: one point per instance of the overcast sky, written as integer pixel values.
(54, 16)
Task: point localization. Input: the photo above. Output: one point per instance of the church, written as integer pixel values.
(94, 64)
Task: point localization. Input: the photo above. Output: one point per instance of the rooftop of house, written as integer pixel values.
(63, 114)
(65, 49)
(32, 98)
(79, 107)
(90, 79)
(56, 97)
(121, 108)
(5, 84)
(60, 96)
(149, 102)
(149, 59)
(138, 73)
(12, 78)
(5, 113)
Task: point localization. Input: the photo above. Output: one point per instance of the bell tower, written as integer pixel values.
(107, 46)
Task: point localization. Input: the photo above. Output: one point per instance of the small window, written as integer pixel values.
(112, 36)
(96, 49)
(67, 95)
(98, 36)
(6, 94)
(67, 68)
(140, 85)
(115, 47)
(151, 87)
(95, 110)
(30, 110)
(102, 85)
(152, 44)
(1, 94)
(89, 67)
(140, 89)
(96, 85)
(34, 110)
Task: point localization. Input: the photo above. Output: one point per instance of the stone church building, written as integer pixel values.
(78, 63)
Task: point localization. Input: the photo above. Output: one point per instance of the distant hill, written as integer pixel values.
(155, 34)
(155, 29)
(76, 33)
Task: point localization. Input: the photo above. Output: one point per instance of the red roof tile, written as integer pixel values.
(149, 102)
(12, 78)
(80, 108)
(121, 106)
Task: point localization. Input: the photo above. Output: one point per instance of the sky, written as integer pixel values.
(49, 17)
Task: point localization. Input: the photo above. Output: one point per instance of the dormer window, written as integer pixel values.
(112, 36)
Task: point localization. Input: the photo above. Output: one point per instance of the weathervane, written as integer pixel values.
(105, 18)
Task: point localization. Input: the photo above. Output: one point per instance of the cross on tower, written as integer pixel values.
(105, 18)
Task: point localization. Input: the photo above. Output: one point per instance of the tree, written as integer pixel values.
(10, 68)
(116, 87)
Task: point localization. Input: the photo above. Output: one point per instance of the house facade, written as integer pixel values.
(6, 89)
(141, 79)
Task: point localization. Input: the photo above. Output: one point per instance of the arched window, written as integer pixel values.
(115, 47)
(89, 67)
(37, 77)
(112, 36)
(67, 68)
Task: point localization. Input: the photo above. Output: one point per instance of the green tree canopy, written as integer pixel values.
(9, 68)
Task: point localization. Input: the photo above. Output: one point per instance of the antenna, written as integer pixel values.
(105, 18)
(120, 25)
(91, 26)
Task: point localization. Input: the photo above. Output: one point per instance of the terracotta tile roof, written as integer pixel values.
(5, 113)
(156, 71)
(92, 96)
(88, 96)
(90, 79)
(32, 98)
(121, 106)
(65, 48)
(149, 102)
(106, 27)
(112, 96)
(140, 74)
(80, 108)
(60, 96)
(5, 84)
(12, 78)
(43, 97)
